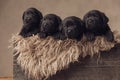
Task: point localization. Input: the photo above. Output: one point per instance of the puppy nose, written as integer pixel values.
(46, 24)
(43, 29)
(28, 18)
(69, 31)
(90, 21)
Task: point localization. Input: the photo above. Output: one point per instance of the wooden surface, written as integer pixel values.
(104, 67)
(6, 78)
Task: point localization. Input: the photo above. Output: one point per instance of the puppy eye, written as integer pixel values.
(28, 12)
(50, 18)
(95, 15)
(44, 18)
(66, 26)
(32, 13)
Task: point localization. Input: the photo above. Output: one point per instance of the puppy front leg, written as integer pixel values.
(90, 36)
(42, 35)
(109, 36)
(59, 36)
(23, 32)
(62, 37)
(34, 32)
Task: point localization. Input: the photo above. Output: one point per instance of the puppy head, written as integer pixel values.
(95, 20)
(50, 24)
(72, 27)
(32, 15)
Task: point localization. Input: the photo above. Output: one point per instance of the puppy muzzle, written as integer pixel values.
(92, 22)
(71, 33)
(46, 27)
(27, 20)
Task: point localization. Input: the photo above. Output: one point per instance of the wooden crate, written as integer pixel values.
(104, 67)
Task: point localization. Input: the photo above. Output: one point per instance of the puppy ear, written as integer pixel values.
(85, 17)
(81, 22)
(105, 18)
(59, 23)
(61, 28)
(40, 24)
(40, 14)
(59, 20)
(23, 15)
(83, 27)
(41, 20)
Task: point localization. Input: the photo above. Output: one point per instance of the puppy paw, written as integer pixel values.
(62, 37)
(90, 37)
(29, 34)
(42, 35)
(59, 37)
(23, 34)
(109, 36)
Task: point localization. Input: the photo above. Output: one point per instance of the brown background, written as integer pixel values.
(12, 10)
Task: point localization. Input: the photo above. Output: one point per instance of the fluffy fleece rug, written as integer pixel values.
(41, 58)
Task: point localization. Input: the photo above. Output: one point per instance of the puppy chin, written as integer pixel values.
(71, 36)
(90, 26)
(45, 30)
(93, 24)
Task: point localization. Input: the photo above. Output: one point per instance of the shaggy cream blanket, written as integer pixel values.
(41, 58)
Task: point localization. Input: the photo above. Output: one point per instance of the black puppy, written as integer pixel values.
(72, 27)
(96, 25)
(50, 26)
(31, 21)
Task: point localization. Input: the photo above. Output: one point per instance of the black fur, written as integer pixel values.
(96, 24)
(31, 21)
(50, 26)
(72, 27)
